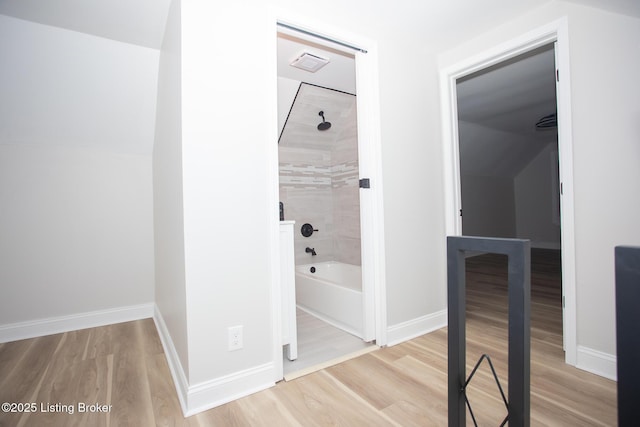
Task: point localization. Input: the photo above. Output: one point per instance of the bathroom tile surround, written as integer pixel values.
(320, 187)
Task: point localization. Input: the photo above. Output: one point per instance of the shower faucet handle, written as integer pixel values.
(307, 230)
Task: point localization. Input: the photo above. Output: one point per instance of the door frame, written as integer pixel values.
(370, 166)
(555, 32)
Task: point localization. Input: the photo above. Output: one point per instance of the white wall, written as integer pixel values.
(76, 232)
(88, 104)
(605, 63)
(76, 127)
(229, 149)
(170, 285)
(488, 206)
(534, 204)
(64, 88)
(413, 181)
(229, 153)
(506, 193)
(227, 137)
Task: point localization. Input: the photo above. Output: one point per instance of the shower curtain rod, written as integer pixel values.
(309, 33)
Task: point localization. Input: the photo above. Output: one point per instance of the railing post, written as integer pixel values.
(627, 262)
(518, 252)
(456, 334)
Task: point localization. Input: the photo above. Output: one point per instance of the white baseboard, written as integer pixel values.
(206, 395)
(405, 331)
(73, 322)
(597, 362)
(175, 367)
(225, 389)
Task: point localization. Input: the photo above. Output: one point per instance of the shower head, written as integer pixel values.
(324, 125)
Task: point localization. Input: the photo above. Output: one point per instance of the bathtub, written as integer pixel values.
(332, 293)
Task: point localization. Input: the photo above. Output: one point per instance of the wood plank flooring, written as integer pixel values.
(124, 366)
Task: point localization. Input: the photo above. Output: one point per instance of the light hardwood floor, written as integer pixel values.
(406, 385)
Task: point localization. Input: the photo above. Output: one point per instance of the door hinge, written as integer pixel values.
(365, 183)
(460, 212)
(557, 75)
(562, 301)
(561, 189)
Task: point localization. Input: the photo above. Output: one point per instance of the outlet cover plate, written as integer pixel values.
(235, 338)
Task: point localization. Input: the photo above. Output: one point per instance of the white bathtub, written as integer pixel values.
(332, 293)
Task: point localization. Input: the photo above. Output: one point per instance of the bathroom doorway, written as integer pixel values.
(320, 172)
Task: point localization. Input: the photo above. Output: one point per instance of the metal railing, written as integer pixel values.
(519, 277)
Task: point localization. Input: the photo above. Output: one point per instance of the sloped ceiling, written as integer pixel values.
(139, 22)
(301, 129)
(512, 96)
(497, 112)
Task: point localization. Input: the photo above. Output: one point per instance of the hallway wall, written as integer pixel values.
(76, 223)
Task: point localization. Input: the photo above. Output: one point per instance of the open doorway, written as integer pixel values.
(322, 159)
(551, 41)
(508, 142)
(508, 151)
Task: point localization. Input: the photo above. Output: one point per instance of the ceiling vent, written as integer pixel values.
(309, 62)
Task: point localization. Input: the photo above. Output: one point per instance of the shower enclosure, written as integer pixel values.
(318, 161)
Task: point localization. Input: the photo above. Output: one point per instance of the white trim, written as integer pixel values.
(219, 391)
(209, 394)
(369, 149)
(273, 198)
(331, 321)
(74, 322)
(175, 367)
(371, 200)
(597, 362)
(555, 31)
(416, 327)
(567, 228)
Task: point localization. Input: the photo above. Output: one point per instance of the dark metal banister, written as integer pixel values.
(518, 252)
(495, 377)
(627, 268)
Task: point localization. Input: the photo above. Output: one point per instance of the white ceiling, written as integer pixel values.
(142, 22)
(624, 7)
(338, 74)
(331, 89)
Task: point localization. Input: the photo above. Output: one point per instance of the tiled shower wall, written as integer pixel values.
(320, 187)
(346, 193)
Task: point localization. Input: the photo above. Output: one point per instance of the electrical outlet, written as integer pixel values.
(235, 338)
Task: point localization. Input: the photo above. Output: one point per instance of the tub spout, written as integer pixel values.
(312, 251)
